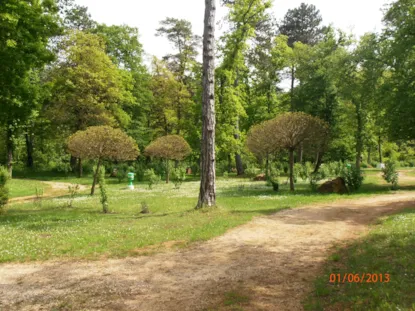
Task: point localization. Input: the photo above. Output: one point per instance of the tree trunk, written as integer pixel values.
(300, 151)
(239, 165)
(73, 163)
(9, 147)
(167, 171)
(359, 136)
(29, 150)
(292, 87)
(95, 177)
(291, 151)
(369, 155)
(267, 167)
(207, 195)
(80, 169)
(380, 149)
(238, 159)
(319, 161)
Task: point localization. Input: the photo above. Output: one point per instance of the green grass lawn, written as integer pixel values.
(389, 248)
(32, 232)
(25, 187)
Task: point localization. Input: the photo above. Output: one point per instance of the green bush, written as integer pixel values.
(178, 176)
(73, 190)
(353, 178)
(122, 171)
(273, 178)
(251, 171)
(390, 174)
(151, 178)
(314, 179)
(103, 189)
(306, 170)
(335, 169)
(4, 190)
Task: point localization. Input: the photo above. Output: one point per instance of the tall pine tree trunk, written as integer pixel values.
(380, 149)
(359, 135)
(207, 195)
(292, 87)
(9, 147)
(291, 151)
(238, 159)
(29, 150)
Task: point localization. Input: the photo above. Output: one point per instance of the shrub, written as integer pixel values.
(274, 178)
(4, 190)
(335, 169)
(178, 176)
(251, 171)
(353, 178)
(73, 192)
(314, 179)
(151, 178)
(390, 174)
(139, 170)
(39, 197)
(305, 171)
(364, 165)
(103, 190)
(144, 208)
(122, 171)
(225, 175)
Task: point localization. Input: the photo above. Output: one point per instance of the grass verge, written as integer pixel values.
(388, 249)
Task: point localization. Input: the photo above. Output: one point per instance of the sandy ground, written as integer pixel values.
(56, 189)
(273, 260)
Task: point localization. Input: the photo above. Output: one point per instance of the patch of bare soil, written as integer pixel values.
(56, 189)
(272, 260)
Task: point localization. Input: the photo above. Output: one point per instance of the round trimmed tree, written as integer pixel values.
(102, 143)
(170, 147)
(287, 132)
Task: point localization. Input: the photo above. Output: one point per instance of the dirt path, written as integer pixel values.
(56, 189)
(273, 260)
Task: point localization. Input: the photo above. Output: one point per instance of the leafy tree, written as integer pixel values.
(102, 143)
(182, 64)
(207, 193)
(25, 27)
(302, 24)
(362, 80)
(287, 132)
(87, 88)
(232, 75)
(170, 147)
(126, 51)
(399, 55)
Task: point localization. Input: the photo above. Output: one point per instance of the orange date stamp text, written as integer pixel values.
(360, 278)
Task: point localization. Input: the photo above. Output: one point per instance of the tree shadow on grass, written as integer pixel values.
(383, 252)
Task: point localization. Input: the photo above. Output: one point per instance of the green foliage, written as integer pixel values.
(39, 192)
(274, 178)
(73, 191)
(151, 178)
(305, 170)
(103, 190)
(314, 178)
(178, 176)
(252, 171)
(390, 174)
(4, 190)
(353, 177)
